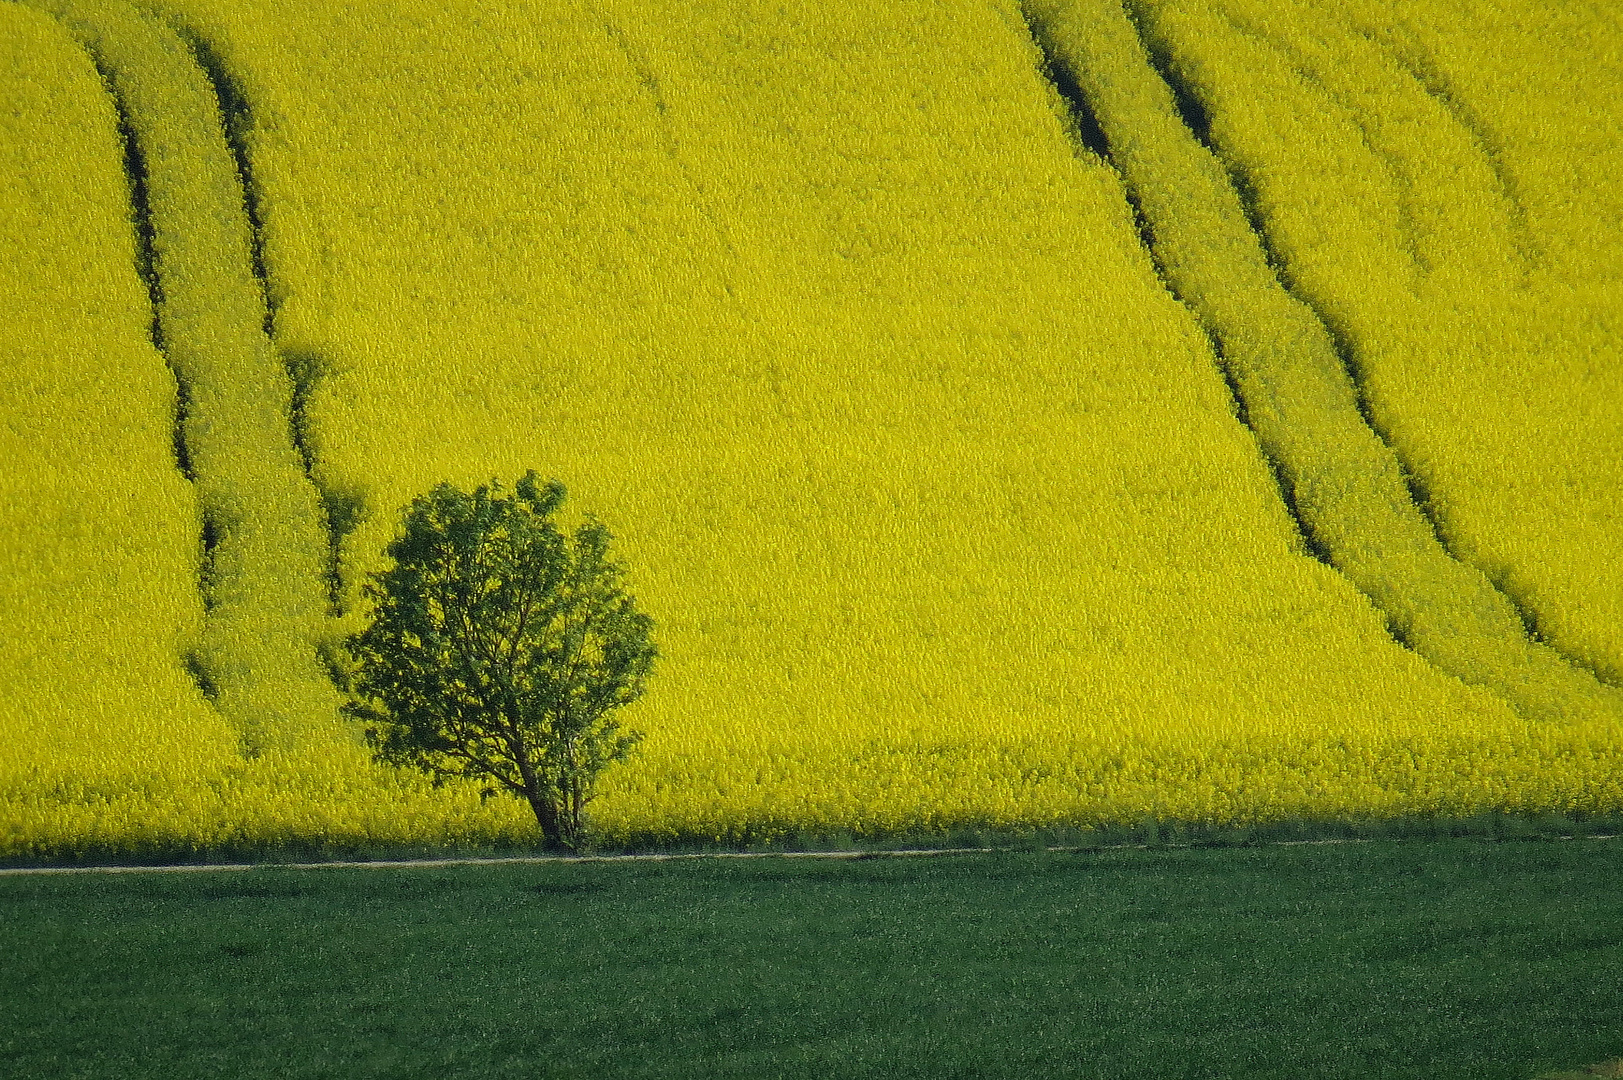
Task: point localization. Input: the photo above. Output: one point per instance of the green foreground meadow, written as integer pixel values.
(1453, 958)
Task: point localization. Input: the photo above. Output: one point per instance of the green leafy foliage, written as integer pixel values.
(498, 651)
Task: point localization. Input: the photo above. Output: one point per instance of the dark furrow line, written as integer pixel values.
(1087, 132)
(146, 267)
(1499, 579)
(1420, 492)
(702, 203)
(1394, 168)
(1146, 234)
(649, 81)
(1532, 676)
(304, 371)
(1188, 101)
(645, 74)
(260, 571)
(236, 120)
(1081, 123)
(1197, 118)
(1413, 59)
(341, 513)
(1309, 541)
(146, 263)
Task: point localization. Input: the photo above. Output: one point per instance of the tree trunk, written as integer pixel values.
(569, 806)
(569, 802)
(546, 810)
(546, 813)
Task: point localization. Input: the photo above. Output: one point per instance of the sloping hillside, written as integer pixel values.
(939, 497)
(98, 595)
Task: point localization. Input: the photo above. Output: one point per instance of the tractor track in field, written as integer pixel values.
(1360, 509)
(1295, 380)
(267, 562)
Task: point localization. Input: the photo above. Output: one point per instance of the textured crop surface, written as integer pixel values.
(1441, 202)
(99, 564)
(841, 321)
(1389, 960)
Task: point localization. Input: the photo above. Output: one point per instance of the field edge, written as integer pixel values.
(1148, 832)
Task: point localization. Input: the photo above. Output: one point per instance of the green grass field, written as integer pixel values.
(1436, 959)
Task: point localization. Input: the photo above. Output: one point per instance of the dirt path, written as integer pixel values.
(1612, 1068)
(385, 864)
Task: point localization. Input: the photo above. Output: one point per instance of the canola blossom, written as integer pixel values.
(923, 458)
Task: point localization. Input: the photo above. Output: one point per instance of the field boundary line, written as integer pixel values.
(395, 864)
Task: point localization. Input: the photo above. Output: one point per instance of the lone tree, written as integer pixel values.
(497, 651)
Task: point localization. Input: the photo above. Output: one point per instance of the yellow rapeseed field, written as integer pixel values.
(1441, 198)
(99, 596)
(937, 495)
(1290, 372)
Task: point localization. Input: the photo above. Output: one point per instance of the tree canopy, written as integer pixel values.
(498, 650)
